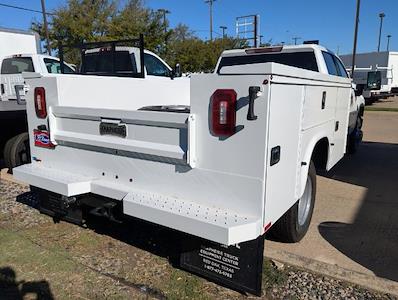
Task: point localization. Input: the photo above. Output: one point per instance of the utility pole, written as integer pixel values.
(388, 42)
(43, 9)
(354, 50)
(382, 16)
(211, 16)
(295, 39)
(164, 12)
(223, 28)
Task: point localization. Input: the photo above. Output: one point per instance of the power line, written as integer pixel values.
(206, 30)
(25, 9)
(233, 11)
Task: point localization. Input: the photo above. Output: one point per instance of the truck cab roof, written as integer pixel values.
(131, 50)
(40, 63)
(307, 56)
(30, 55)
(274, 49)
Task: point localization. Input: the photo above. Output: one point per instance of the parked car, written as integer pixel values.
(240, 159)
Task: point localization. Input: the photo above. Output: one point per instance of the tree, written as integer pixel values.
(135, 19)
(196, 55)
(80, 21)
(181, 33)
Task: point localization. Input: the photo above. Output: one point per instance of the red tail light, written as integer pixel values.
(223, 113)
(40, 102)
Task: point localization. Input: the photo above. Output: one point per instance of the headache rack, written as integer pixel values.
(106, 46)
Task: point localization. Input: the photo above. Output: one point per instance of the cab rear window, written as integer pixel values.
(17, 65)
(303, 60)
(105, 63)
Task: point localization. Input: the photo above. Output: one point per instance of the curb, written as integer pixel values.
(367, 281)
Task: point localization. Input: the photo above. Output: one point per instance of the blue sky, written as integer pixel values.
(332, 22)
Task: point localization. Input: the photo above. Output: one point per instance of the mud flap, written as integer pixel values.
(238, 267)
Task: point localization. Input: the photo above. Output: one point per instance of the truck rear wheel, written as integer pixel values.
(293, 225)
(7, 153)
(19, 152)
(355, 137)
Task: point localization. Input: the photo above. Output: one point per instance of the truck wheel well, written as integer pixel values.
(320, 154)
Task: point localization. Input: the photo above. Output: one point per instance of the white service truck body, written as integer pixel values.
(172, 156)
(385, 62)
(226, 170)
(14, 41)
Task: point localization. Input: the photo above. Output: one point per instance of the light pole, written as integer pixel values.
(382, 16)
(164, 12)
(295, 39)
(223, 28)
(354, 50)
(388, 42)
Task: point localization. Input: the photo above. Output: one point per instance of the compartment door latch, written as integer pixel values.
(253, 90)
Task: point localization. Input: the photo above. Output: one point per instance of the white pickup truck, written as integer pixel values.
(98, 61)
(240, 158)
(13, 66)
(15, 146)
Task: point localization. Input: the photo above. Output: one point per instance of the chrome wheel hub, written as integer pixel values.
(304, 204)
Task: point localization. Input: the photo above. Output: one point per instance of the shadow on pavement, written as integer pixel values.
(372, 240)
(11, 289)
(144, 235)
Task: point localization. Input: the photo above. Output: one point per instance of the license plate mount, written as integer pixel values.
(114, 129)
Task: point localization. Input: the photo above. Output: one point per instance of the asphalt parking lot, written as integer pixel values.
(354, 230)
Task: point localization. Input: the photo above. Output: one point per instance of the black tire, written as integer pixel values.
(355, 138)
(287, 229)
(7, 153)
(20, 150)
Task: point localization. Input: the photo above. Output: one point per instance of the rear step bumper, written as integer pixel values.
(216, 224)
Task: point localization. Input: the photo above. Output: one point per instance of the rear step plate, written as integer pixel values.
(212, 223)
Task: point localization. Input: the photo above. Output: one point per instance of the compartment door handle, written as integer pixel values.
(323, 100)
(253, 90)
